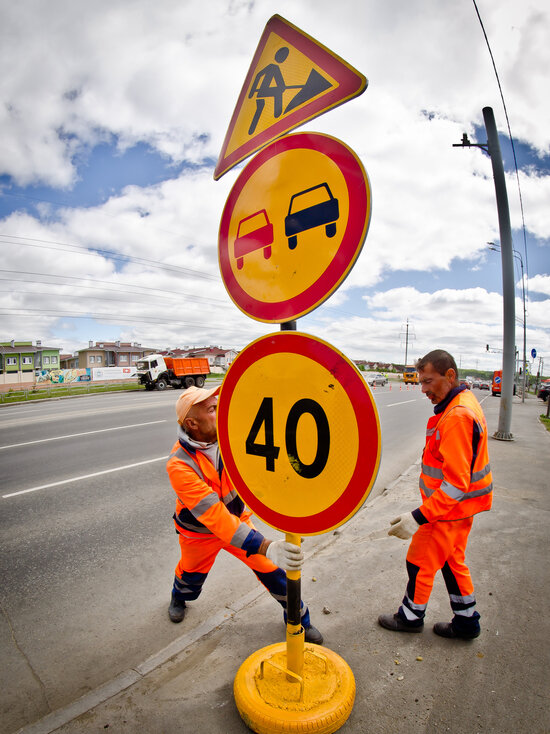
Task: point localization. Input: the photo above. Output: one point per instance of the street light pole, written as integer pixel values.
(517, 255)
(492, 146)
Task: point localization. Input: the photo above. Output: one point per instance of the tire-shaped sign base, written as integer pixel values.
(269, 700)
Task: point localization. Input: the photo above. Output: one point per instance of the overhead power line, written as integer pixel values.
(95, 251)
(119, 318)
(509, 133)
(109, 283)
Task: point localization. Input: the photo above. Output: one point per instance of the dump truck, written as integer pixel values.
(158, 371)
(410, 375)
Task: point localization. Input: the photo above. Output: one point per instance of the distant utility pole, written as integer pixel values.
(492, 147)
(408, 335)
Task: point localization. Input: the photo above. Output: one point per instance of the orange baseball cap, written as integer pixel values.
(192, 396)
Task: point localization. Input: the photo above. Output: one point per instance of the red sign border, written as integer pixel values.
(360, 201)
(366, 415)
(351, 83)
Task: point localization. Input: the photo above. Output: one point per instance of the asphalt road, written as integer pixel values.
(87, 543)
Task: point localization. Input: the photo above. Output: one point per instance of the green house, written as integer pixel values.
(20, 360)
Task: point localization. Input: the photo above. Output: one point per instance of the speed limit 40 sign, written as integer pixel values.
(298, 432)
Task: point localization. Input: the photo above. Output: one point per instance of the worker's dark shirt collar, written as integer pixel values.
(440, 407)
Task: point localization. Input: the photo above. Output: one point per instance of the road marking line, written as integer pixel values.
(75, 435)
(403, 402)
(84, 476)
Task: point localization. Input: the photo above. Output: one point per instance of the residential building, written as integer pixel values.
(108, 354)
(20, 359)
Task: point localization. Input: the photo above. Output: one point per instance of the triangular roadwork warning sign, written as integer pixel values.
(292, 78)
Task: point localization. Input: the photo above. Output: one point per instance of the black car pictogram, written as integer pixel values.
(311, 215)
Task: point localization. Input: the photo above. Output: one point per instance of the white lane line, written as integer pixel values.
(17, 411)
(84, 476)
(75, 435)
(403, 402)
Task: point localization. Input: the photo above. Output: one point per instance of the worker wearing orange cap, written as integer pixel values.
(210, 516)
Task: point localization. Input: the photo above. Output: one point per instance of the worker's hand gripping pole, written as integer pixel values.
(294, 630)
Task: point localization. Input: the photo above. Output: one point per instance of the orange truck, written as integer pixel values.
(410, 375)
(496, 387)
(156, 371)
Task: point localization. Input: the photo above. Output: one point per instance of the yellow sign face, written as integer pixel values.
(292, 78)
(289, 272)
(293, 225)
(302, 496)
(270, 97)
(298, 432)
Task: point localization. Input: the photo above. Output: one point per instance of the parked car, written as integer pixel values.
(377, 379)
(466, 382)
(484, 385)
(544, 391)
(476, 383)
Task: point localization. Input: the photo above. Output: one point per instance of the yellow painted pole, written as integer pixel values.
(294, 630)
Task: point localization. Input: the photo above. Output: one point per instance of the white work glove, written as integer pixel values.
(286, 555)
(404, 526)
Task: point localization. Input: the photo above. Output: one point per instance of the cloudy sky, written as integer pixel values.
(112, 117)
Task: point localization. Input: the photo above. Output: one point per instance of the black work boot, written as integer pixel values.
(176, 610)
(446, 629)
(396, 623)
(312, 634)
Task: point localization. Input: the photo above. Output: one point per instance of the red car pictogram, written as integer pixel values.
(249, 240)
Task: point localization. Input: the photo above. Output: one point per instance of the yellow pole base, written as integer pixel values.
(271, 698)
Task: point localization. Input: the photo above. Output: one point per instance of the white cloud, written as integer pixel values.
(539, 284)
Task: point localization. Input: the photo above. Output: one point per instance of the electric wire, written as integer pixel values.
(111, 254)
(109, 283)
(510, 136)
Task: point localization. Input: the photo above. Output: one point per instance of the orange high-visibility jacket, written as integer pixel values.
(456, 480)
(206, 501)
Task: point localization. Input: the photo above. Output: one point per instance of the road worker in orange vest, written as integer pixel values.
(210, 516)
(455, 484)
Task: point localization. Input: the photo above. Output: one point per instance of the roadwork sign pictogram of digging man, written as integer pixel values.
(269, 82)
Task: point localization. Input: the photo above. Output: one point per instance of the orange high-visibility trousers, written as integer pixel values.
(198, 555)
(197, 558)
(439, 546)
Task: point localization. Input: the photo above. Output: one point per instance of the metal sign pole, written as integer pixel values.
(294, 630)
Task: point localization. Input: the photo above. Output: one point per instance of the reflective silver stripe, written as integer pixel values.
(240, 535)
(476, 476)
(468, 612)
(229, 497)
(451, 491)
(462, 599)
(206, 503)
(479, 492)
(432, 471)
(193, 528)
(430, 431)
(427, 490)
(460, 496)
(438, 436)
(184, 456)
(418, 607)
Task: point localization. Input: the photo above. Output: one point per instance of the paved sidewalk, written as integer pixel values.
(405, 683)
